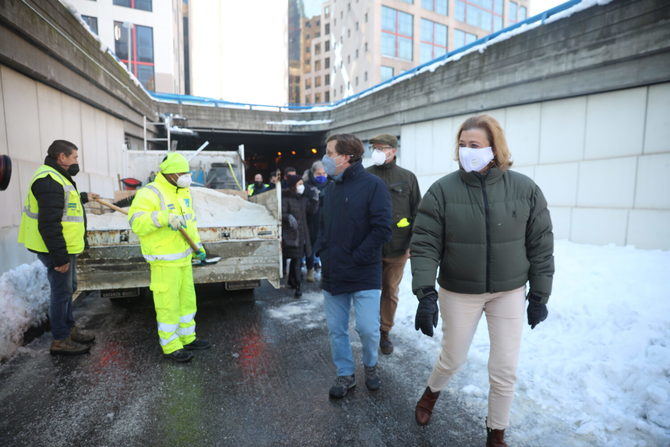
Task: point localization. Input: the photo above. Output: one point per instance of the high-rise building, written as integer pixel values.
(296, 14)
(146, 35)
(365, 42)
(239, 50)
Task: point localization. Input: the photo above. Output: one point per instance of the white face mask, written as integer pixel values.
(474, 159)
(378, 157)
(300, 189)
(184, 181)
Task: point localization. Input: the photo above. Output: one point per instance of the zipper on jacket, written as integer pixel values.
(488, 235)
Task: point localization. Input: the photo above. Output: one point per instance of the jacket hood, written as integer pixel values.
(174, 163)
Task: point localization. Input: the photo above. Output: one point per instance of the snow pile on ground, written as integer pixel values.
(596, 371)
(24, 300)
(212, 209)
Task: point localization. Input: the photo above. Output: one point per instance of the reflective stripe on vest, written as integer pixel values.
(170, 257)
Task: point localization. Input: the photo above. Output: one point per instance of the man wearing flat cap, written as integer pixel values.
(405, 198)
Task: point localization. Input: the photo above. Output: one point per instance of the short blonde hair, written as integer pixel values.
(495, 134)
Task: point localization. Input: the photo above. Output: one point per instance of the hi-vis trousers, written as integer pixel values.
(174, 300)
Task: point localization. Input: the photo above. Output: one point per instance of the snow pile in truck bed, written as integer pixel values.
(24, 300)
(212, 209)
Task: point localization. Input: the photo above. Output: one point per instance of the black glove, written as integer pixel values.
(427, 312)
(537, 312)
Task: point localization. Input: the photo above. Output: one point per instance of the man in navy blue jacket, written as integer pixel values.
(355, 223)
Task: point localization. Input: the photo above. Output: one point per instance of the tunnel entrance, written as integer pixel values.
(265, 152)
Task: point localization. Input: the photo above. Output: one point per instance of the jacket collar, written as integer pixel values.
(493, 175)
(390, 165)
(163, 183)
(351, 172)
(53, 164)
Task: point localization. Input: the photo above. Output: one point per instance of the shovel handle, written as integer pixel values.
(188, 239)
(109, 205)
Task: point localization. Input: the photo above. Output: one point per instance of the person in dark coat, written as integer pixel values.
(489, 232)
(355, 223)
(296, 244)
(316, 180)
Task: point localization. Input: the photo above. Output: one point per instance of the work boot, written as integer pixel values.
(67, 346)
(372, 380)
(342, 386)
(495, 438)
(310, 275)
(424, 408)
(81, 336)
(198, 345)
(179, 355)
(385, 344)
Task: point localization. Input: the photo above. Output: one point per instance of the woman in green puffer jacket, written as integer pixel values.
(489, 231)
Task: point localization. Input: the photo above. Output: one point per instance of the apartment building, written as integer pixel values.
(363, 42)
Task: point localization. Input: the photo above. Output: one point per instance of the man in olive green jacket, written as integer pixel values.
(405, 197)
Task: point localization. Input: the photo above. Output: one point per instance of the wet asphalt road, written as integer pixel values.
(264, 383)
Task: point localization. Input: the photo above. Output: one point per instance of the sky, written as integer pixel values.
(313, 7)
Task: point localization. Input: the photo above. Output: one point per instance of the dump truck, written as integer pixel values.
(250, 249)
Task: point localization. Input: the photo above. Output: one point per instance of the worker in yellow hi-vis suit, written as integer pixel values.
(157, 213)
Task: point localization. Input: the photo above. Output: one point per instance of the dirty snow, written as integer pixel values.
(181, 130)
(594, 373)
(24, 300)
(212, 209)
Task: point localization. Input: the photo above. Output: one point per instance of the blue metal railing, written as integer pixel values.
(181, 99)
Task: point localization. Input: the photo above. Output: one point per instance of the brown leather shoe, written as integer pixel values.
(424, 408)
(385, 345)
(81, 336)
(495, 438)
(68, 347)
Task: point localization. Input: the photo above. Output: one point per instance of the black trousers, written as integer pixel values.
(295, 273)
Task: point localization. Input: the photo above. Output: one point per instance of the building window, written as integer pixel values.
(326, 30)
(365, 76)
(356, 53)
(484, 14)
(308, 83)
(327, 96)
(317, 81)
(439, 6)
(144, 5)
(348, 33)
(317, 48)
(523, 13)
(397, 33)
(433, 40)
(341, 89)
(349, 6)
(317, 98)
(462, 38)
(366, 47)
(326, 11)
(326, 80)
(317, 65)
(92, 23)
(326, 63)
(512, 12)
(141, 58)
(326, 45)
(308, 99)
(366, 17)
(386, 73)
(356, 81)
(349, 59)
(356, 26)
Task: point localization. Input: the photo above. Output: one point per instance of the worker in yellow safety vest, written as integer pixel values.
(157, 213)
(53, 225)
(257, 186)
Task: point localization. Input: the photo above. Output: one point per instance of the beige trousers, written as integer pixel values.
(504, 317)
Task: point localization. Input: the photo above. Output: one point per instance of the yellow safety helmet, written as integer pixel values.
(174, 163)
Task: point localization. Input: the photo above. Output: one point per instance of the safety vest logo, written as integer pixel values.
(187, 202)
